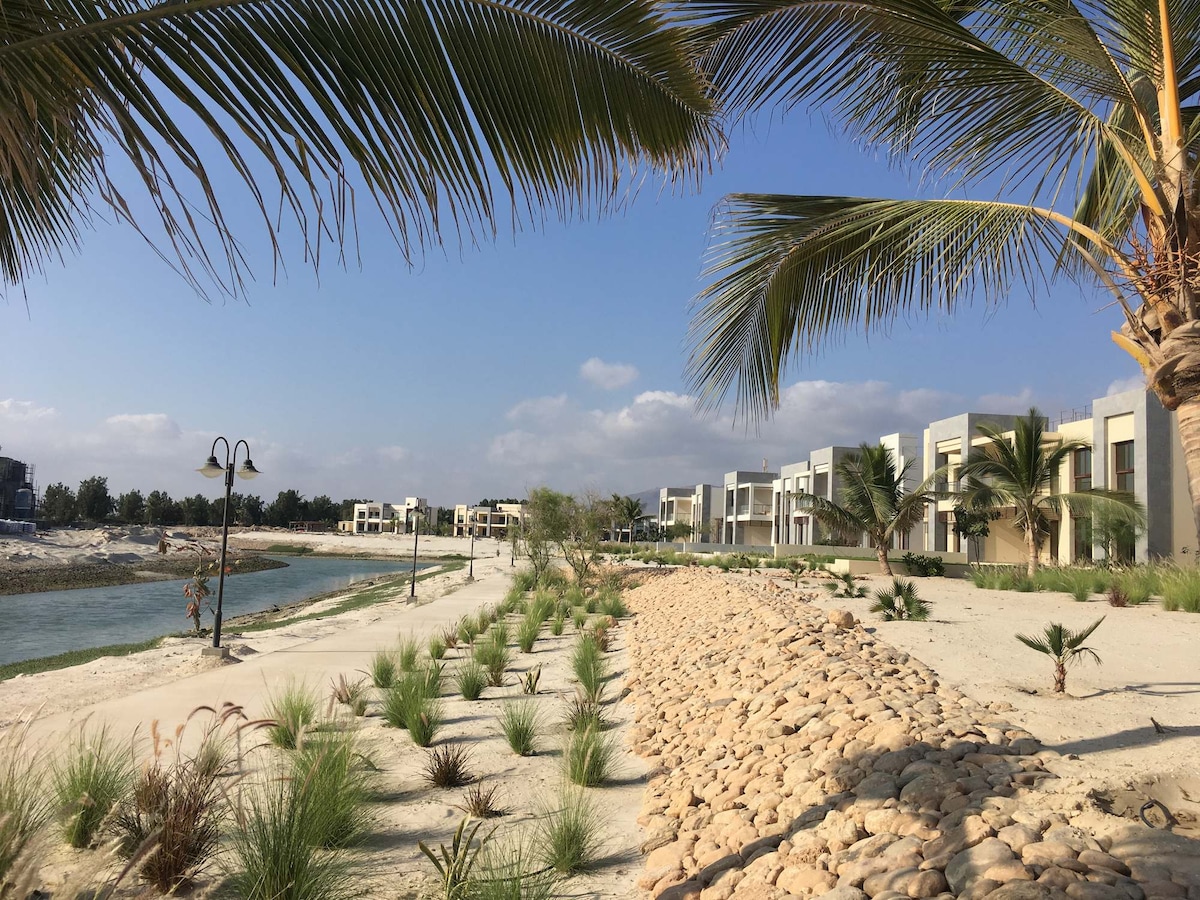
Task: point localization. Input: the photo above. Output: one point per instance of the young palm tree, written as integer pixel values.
(1082, 115)
(1018, 473)
(450, 113)
(1064, 646)
(627, 509)
(874, 501)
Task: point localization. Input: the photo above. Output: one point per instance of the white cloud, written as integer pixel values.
(1121, 385)
(537, 409)
(608, 376)
(22, 410)
(1001, 404)
(393, 454)
(158, 425)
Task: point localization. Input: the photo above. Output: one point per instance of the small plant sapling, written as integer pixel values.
(1064, 646)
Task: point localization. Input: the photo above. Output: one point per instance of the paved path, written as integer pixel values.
(315, 661)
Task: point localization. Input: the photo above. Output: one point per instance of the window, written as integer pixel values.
(1123, 466)
(1083, 469)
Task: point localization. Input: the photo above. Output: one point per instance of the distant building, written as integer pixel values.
(376, 517)
(487, 521)
(18, 498)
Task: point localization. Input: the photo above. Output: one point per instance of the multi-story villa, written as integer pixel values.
(747, 507)
(376, 517)
(487, 521)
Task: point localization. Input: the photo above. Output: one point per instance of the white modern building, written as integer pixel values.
(487, 521)
(748, 507)
(376, 517)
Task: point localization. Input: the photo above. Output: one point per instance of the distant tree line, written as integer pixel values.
(92, 502)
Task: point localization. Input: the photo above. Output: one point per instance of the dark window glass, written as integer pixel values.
(1123, 466)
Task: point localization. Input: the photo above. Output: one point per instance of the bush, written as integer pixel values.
(89, 780)
(331, 775)
(470, 679)
(579, 617)
(448, 766)
(900, 601)
(1138, 583)
(568, 839)
(520, 724)
(277, 858)
(402, 703)
(923, 566)
(24, 801)
(293, 711)
(589, 757)
(845, 587)
(613, 605)
(524, 581)
(383, 669)
(1180, 589)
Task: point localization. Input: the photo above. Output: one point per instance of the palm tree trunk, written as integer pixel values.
(1031, 544)
(881, 554)
(1189, 433)
(1060, 676)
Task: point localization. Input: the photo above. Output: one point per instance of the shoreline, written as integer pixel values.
(45, 578)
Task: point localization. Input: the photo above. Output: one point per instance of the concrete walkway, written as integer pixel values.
(315, 662)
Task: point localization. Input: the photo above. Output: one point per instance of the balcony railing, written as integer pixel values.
(754, 509)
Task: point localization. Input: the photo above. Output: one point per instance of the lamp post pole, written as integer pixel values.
(471, 566)
(211, 469)
(412, 588)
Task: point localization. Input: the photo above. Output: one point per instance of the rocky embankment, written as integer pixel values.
(798, 756)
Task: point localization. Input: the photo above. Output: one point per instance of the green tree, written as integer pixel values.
(1018, 473)
(161, 509)
(131, 507)
(1080, 118)
(873, 500)
(323, 509)
(544, 525)
(253, 510)
(196, 510)
(346, 510)
(447, 112)
(93, 501)
(627, 511)
(58, 504)
(287, 507)
(973, 526)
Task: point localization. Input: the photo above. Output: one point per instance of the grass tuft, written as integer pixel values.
(520, 723)
(352, 694)
(25, 805)
(481, 801)
(91, 778)
(470, 679)
(437, 647)
(590, 757)
(293, 712)
(448, 766)
(528, 631)
(569, 836)
(383, 669)
(408, 653)
(424, 722)
(334, 781)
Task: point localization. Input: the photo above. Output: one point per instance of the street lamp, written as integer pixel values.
(211, 469)
(471, 567)
(412, 588)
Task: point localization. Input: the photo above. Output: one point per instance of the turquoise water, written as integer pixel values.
(45, 624)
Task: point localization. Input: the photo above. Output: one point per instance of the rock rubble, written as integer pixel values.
(798, 756)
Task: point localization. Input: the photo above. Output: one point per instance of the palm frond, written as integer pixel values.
(792, 271)
(836, 518)
(452, 113)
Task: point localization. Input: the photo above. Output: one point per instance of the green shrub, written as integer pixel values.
(900, 601)
(276, 856)
(470, 679)
(1180, 589)
(589, 665)
(557, 622)
(383, 669)
(402, 704)
(330, 774)
(431, 678)
(437, 647)
(499, 634)
(1138, 583)
(589, 757)
(579, 617)
(467, 630)
(524, 581)
(554, 580)
(923, 566)
(494, 656)
(520, 723)
(91, 777)
(569, 837)
(845, 587)
(293, 712)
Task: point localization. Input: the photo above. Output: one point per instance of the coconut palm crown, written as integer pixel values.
(1018, 473)
(450, 115)
(1076, 124)
(873, 500)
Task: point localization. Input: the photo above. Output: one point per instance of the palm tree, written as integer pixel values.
(627, 509)
(1081, 118)
(1064, 646)
(451, 114)
(1018, 473)
(874, 501)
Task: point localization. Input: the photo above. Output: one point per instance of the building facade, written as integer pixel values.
(748, 507)
(376, 517)
(487, 521)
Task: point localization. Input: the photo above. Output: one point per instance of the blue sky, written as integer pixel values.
(552, 356)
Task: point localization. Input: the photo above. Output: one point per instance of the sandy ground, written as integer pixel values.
(157, 690)
(111, 544)
(373, 544)
(1148, 672)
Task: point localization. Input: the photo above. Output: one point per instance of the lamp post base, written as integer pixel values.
(470, 578)
(218, 652)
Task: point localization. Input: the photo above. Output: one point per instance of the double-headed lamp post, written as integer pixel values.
(412, 587)
(471, 567)
(212, 469)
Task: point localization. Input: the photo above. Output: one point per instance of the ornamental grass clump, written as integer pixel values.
(1180, 589)
(425, 721)
(568, 838)
(482, 801)
(25, 801)
(335, 783)
(900, 601)
(579, 617)
(293, 712)
(408, 653)
(508, 868)
(403, 700)
(467, 630)
(1064, 646)
(353, 694)
(520, 722)
(470, 679)
(557, 622)
(584, 713)
(91, 777)
(383, 669)
(494, 656)
(437, 647)
(527, 632)
(589, 665)
(613, 604)
(449, 766)
(589, 757)
(274, 854)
